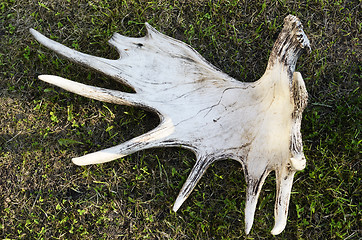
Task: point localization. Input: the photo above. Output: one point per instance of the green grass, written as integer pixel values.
(44, 196)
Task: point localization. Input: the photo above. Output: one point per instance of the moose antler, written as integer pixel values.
(205, 110)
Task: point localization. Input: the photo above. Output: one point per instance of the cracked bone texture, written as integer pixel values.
(205, 110)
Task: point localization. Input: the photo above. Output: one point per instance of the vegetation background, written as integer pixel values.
(44, 196)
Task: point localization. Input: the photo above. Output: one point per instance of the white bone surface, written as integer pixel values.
(205, 110)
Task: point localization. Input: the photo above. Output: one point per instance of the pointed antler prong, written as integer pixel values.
(254, 185)
(284, 182)
(102, 65)
(97, 93)
(157, 137)
(201, 165)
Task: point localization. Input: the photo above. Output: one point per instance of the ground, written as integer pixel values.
(44, 196)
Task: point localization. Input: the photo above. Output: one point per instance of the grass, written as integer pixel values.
(44, 196)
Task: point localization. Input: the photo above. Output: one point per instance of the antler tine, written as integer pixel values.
(201, 165)
(254, 185)
(154, 138)
(284, 182)
(102, 65)
(97, 93)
